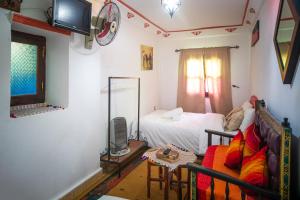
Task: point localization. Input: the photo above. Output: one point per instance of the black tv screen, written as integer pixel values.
(74, 15)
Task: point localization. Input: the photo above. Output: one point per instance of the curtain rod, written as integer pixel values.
(230, 47)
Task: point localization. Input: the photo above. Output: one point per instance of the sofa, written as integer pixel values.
(214, 180)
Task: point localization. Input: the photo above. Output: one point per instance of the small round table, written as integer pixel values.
(166, 171)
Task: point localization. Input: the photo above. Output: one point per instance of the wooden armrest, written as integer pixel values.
(221, 134)
(235, 181)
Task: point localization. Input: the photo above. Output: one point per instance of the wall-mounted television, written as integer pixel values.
(74, 15)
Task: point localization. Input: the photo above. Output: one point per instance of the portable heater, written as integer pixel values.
(118, 137)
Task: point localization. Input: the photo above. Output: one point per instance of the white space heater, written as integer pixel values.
(118, 137)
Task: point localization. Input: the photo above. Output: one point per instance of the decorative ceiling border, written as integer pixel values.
(140, 14)
(184, 30)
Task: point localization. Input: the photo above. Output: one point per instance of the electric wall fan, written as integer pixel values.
(107, 23)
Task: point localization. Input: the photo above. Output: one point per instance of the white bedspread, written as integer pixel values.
(187, 133)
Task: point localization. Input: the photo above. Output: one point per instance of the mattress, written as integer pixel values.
(187, 133)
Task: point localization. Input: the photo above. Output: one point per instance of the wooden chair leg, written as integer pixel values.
(171, 181)
(148, 179)
(179, 189)
(160, 172)
(188, 184)
(166, 177)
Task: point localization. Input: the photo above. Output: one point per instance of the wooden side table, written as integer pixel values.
(162, 177)
(165, 176)
(169, 169)
(179, 181)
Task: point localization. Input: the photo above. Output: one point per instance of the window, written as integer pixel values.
(208, 74)
(27, 82)
(195, 74)
(203, 73)
(212, 75)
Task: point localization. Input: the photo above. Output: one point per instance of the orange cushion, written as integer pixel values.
(255, 170)
(234, 154)
(252, 141)
(214, 158)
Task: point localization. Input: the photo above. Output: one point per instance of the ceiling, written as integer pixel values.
(195, 15)
(204, 17)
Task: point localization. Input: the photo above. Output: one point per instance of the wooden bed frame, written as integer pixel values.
(284, 190)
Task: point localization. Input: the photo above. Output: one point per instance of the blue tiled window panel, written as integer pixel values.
(23, 69)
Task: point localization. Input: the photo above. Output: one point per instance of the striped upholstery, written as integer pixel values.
(234, 154)
(252, 141)
(214, 159)
(255, 170)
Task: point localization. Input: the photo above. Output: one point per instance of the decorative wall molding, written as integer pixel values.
(252, 11)
(146, 25)
(185, 30)
(230, 30)
(130, 15)
(140, 14)
(196, 32)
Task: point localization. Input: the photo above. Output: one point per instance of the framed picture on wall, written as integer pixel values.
(13, 5)
(146, 58)
(255, 34)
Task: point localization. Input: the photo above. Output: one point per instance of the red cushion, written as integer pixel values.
(234, 154)
(208, 161)
(214, 158)
(255, 170)
(252, 141)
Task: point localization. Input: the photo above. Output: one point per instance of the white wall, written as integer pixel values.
(282, 100)
(43, 155)
(240, 65)
(46, 155)
(123, 58)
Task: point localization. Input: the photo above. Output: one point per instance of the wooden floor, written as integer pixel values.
(134, 185)
(112, 181)
(81, 191)
(104, 182)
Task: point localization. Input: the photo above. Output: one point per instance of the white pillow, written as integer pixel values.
(174, 114)
(247, 105)
(249, 116)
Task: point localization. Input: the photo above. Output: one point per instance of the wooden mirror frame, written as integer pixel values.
(288, 72)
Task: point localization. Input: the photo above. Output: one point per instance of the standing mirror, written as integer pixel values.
(287, 38)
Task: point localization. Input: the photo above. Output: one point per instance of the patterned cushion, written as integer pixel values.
(234, 119)
(255, 170)
(234, 154)
(234, 110)
(252, 141)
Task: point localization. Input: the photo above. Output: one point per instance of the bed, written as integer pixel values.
(187, 133)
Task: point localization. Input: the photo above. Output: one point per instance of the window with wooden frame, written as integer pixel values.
(28, 68)
(203, 71)
(195, 76)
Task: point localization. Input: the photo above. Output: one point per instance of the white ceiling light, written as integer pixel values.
(171, 6)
